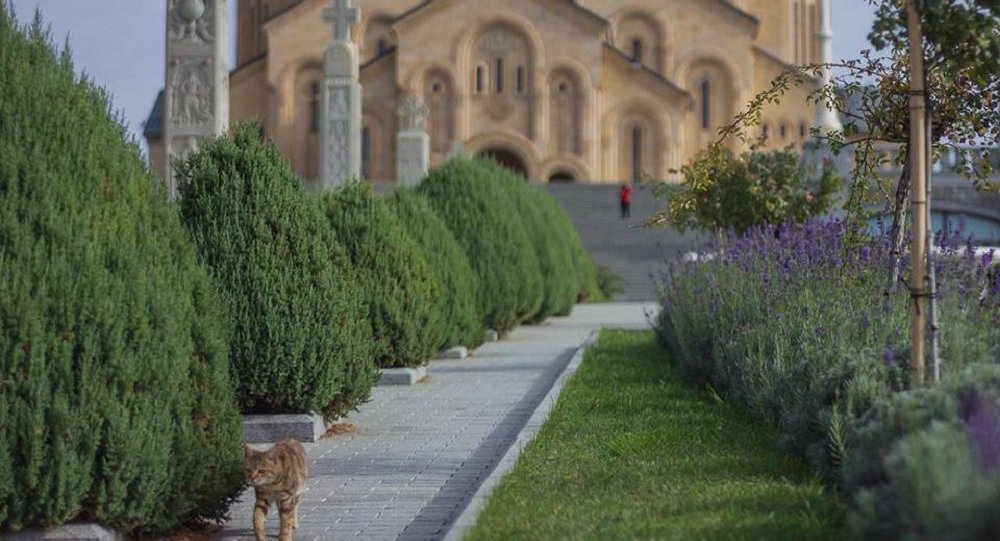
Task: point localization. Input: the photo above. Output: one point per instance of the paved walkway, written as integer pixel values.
(420, 452)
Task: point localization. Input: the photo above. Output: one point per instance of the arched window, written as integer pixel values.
(637, 50)
(314, 108)
(636, 152)
(383, 46)
(802, 130)
(783, 130)
(499, 75)
(520, 80)
(766, 131)
(706, 104)
(366, 152)
(480, 76)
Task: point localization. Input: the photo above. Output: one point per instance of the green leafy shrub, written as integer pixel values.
(479, 212)
(722, 191)
(301, 339)
(609, 283)
(404, 297)
(461, 320)
(926, 464)
(539, 214)
(115, 398)
(586, 273)
(791, 323)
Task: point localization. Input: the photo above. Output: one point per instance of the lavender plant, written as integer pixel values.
(788, 322)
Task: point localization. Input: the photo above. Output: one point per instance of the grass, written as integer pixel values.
(629, 453)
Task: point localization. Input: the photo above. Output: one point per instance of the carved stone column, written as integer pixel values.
(340, 130)
(196, 100)
(413, 154)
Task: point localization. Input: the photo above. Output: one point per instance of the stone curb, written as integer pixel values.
(273, 428)
(68, 532)
(402, 376)
(457, 352)
(467, 518)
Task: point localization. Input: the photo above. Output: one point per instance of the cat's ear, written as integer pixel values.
(248, 451)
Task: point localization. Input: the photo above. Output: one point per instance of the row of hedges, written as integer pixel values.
(115, 396)
(792, 324)
(133, 331)
(525, 254)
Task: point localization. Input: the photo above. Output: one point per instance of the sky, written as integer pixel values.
(120, 43)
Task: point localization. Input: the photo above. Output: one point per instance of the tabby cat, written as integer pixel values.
(278, 476)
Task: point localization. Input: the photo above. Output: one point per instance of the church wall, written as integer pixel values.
(249, 95)
(649, 107)
(792, 113)
(552, 130)
(476, 31)
(776, 32)
(379, 118)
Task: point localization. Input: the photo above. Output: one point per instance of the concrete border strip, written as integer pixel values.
(467, 519)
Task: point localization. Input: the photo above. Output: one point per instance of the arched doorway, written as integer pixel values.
(508, 159)
(562, 176)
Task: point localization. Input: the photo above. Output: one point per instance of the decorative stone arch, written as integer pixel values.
(655, 152)
(575, 167)
(741, 73)
(376, 143)
(438, 93)
(568, 99)
(376, 35)
(512, 142)
(527, 102)
(303, 99)
(588, 136)
(713, 76)
(514, 21)
(631, 27)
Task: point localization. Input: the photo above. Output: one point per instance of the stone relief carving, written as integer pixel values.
(499, 107)
(191, 91)
(338, 102)
(192, 21)
(498, 42)
(413, 115)
(338, 148)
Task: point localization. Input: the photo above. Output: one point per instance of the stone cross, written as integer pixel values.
(196, 94)
(412, 142)
(342, 17)
(340, 130)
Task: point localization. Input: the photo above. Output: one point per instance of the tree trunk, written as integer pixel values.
(932, 300)
(918, 198)
(897, 233)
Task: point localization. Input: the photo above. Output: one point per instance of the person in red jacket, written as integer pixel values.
(625, 198)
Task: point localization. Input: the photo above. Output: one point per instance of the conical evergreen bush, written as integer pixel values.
(461, 321)
(552, 244)
(115, 397)
(480, 213)
(404, 297)
(301, 339)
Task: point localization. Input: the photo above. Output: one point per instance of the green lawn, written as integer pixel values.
(628, 453)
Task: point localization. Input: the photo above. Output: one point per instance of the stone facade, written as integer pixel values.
(585, 90)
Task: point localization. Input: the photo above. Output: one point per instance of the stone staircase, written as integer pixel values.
(635, 254)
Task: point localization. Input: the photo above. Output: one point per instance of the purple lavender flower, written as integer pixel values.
(982, 420)
(889, 355)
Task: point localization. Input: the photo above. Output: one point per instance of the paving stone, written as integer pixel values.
(420, 452)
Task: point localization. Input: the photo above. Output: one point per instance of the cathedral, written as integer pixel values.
(559, 90)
